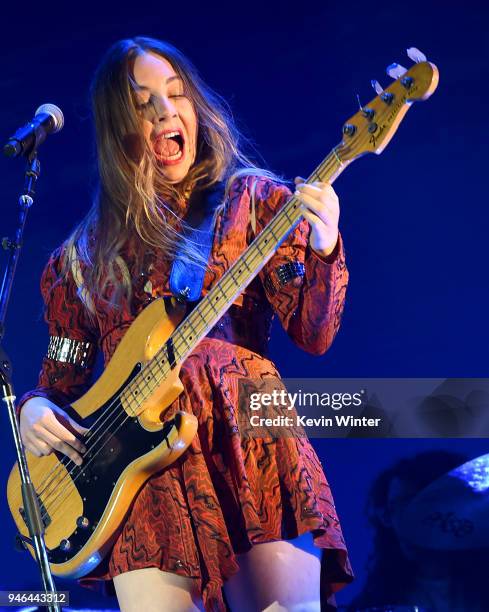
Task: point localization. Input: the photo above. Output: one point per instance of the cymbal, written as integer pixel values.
(451, 513)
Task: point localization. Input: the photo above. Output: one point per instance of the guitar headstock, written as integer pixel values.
(372, 127)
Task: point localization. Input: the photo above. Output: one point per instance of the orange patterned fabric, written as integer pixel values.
(225, 493)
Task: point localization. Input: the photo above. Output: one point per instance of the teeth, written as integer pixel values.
(171, 134)
(176, 156)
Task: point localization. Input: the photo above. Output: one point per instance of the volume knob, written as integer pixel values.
(65, 545)
(82, 522)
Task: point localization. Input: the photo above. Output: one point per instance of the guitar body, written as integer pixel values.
(83, 507)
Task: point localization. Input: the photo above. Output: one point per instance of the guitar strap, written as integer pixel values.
(253, 207)
(187, 278)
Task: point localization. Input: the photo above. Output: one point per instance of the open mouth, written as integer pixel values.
(169, 146)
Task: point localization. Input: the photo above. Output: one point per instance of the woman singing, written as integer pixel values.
(246, 520)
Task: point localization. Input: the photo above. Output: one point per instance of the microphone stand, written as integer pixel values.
(32, 514)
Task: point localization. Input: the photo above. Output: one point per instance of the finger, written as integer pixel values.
(34, 451)
(79, 428)
(37, 446)
(68, 422)
(311, 217)
(300, 179)
(318, 189)
(30, 446)
(322, 210)
(52, 424)
(319, 201)
(61, 446)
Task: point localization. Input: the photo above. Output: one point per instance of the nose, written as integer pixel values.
(163, 108)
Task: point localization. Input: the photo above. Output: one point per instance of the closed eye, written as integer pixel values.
(143, 105)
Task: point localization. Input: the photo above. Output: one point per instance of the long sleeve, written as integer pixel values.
(67, 368)
(306, 291)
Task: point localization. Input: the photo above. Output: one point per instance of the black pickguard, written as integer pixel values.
(96, 477)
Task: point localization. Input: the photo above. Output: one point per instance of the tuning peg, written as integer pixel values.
(416, 55)
(395, 70)
(386, 96)
(368, 113)
(377, 86)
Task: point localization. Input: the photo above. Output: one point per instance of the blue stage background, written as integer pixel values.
(414, 220)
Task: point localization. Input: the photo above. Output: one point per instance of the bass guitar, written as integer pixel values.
(83, 507)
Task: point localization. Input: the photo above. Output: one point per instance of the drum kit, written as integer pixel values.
(450, 514)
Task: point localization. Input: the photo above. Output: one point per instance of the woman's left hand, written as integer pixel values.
(320, 206)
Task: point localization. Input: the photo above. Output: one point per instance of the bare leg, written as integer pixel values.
(152, 590)
(277, 576)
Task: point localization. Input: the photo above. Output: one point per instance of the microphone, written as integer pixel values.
(48, 119)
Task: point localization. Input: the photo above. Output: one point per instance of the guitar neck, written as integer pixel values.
(217, 301)
(368, 131)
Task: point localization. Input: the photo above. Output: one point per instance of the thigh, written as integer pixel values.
(275, 576)
(153, 590)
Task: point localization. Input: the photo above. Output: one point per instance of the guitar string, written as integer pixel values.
(95, 427)
(107, 413)
(322, 167)
(317, 172)
(178, 345)
(328, 161)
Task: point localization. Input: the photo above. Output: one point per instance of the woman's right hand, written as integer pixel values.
(43, 429)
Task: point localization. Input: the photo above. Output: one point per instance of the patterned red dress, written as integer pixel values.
(225, 493)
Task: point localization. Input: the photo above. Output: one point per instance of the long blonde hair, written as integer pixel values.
(132, 198)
